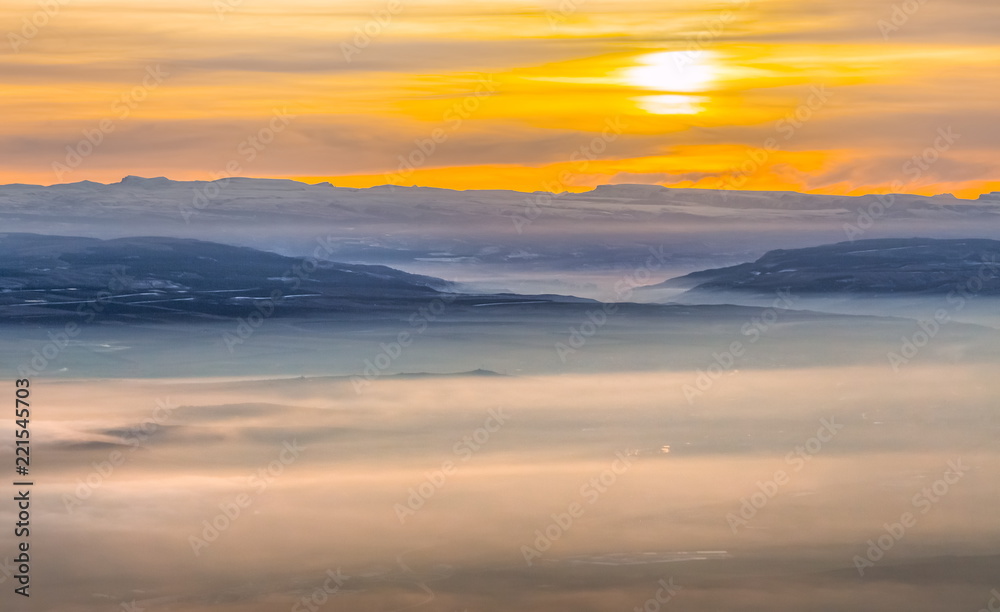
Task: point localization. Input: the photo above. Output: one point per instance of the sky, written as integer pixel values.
(820, 96)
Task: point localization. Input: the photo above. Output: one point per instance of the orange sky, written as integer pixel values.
(827, 96)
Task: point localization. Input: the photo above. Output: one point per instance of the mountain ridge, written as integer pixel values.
(875, 266)
(130, 277)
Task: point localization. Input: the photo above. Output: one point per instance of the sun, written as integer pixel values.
(677, 73)
(672, 71)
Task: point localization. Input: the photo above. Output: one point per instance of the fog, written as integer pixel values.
(641, 456)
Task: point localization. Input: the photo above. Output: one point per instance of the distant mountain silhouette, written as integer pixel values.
(155, 277)
(885, 266)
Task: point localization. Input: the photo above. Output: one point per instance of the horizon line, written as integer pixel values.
(584, 190)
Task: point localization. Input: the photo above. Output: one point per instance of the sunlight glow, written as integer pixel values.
(673, 71)
(670, 104)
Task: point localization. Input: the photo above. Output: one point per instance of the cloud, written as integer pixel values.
(357, 117)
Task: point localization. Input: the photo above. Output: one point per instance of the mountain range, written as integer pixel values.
(157, 278)
(498, 240)
(44, 276)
